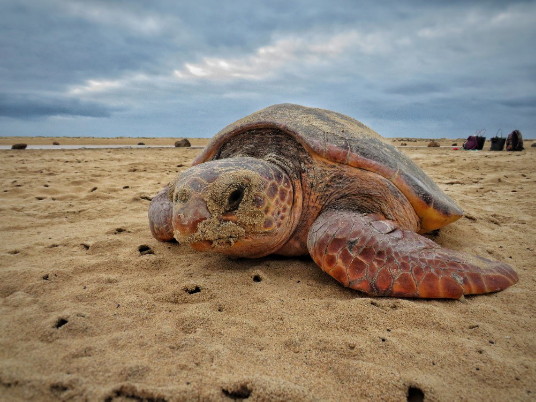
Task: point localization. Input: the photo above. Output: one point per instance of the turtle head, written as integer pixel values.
(237, 206)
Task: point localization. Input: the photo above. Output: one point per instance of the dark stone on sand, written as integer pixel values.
(403, 144)
(55, 143)
(183, 142)
(19, 146)
(533, 145)
(433, 144)
(141, 143)
(455, 144)
(144, 249)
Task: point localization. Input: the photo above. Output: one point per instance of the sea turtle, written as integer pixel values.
(294, 180)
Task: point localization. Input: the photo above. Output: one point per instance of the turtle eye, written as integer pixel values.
(234, 200)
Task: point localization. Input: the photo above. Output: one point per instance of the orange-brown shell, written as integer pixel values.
(339, 138)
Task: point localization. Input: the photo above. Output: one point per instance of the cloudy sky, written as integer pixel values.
(188, 68)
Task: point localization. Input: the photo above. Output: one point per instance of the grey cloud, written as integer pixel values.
(46, 47)
(524, 102)
(29, 107)
(417, 88)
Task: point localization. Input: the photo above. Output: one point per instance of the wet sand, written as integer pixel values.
(85, 315)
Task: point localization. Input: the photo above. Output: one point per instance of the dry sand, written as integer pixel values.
(85, 316)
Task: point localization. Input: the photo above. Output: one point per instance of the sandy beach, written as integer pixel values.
(93, 308)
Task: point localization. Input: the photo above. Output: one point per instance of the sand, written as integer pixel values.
(99, 141)
(84, 315)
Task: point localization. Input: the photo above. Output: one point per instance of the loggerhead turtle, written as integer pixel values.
(294, 180)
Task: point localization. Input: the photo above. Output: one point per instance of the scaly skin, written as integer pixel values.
(372, 255)
(160, 215)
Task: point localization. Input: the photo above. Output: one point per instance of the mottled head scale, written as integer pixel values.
(294, 180)
(238, 206)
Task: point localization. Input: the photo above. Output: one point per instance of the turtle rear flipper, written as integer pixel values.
(373, 255)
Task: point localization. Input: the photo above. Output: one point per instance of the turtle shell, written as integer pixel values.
(344, 140)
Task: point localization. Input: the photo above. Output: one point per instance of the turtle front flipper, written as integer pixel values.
(161, 214)
(375, 256)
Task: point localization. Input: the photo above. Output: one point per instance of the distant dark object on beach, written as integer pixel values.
(533, 145)
(19, 146)
(481, 140)
(55, 143)
(475, 141)
(497, 143)
(433, 144)
(514, 142)
(141, 143)
(183, 143)
(403, 144)
(455, 144)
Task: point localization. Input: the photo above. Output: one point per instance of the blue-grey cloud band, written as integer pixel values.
(165, 68)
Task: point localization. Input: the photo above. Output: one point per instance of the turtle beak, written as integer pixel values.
(188, 216)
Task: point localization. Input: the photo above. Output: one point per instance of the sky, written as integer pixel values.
(167, 68)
